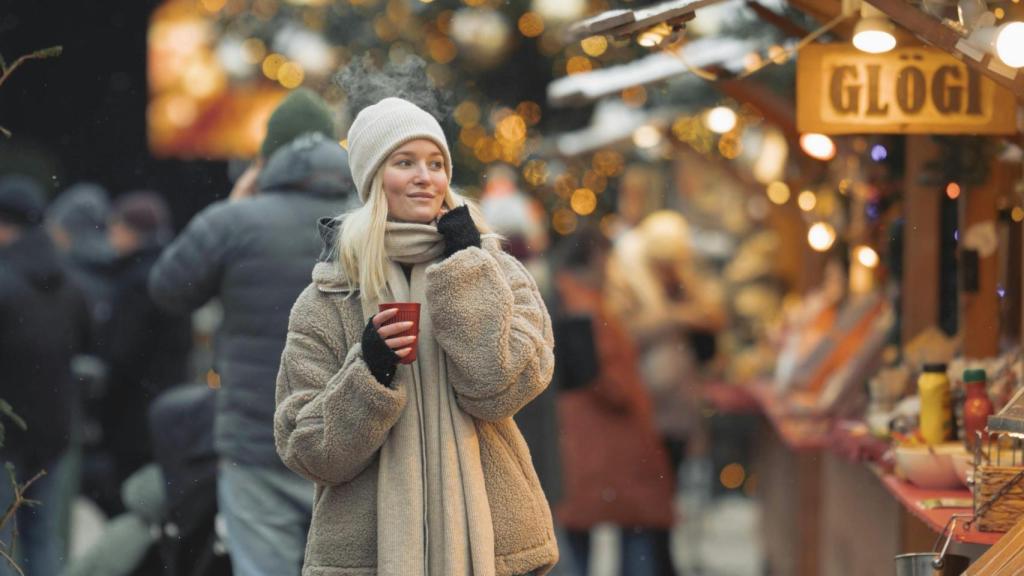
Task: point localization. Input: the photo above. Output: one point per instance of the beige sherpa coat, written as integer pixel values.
(333, 416)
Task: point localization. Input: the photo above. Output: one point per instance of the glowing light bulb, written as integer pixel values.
(720, 119)
(647, 136)
(807, 200)
(867, 256)
(818, 146)
(1010, 44)
(821, 236)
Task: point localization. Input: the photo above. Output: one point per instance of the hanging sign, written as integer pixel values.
(841, 90)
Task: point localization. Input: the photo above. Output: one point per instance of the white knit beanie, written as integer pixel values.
(380, 129)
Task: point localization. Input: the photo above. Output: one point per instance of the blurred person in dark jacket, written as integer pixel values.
(77, 223)
(255, 252)
(44, 322)
(145, 347)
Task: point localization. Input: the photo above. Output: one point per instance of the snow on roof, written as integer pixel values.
(587, 86)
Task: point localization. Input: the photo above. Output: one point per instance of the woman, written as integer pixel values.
(615, 468)
(419, 468)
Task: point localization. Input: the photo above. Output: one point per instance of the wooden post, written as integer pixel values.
(920, 306)
(981, 309)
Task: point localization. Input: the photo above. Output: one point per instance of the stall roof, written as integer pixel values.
(726, 53)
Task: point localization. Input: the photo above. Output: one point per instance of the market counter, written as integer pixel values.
(825, 514)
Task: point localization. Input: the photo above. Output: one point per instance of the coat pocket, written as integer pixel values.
(343, 533)
(519, 511)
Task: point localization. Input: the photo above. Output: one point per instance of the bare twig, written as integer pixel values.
(11, 561)
(19, 501)
(50, 52)
(6, 71)
(19, 495)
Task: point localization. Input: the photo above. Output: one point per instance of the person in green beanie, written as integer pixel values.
(254, 252)
(301, 112)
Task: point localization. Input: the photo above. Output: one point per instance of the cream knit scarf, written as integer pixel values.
(433, 517)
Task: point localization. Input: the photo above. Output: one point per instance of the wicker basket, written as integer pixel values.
(1007, 509)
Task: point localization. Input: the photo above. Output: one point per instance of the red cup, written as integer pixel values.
(407, 312)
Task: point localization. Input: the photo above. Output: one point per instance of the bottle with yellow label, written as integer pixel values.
(936, 420)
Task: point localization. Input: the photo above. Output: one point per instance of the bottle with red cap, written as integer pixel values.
(977, 406)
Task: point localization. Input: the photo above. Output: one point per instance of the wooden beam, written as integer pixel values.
(787, 26)
(945, 38)
(825, 12)
(920, 283)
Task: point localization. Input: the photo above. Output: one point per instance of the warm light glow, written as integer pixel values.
(608, 163)
(771, 161)
(635, 96)
(720, 119)
(874, 32)
(1010, 44)
(732, 476)
(511, 128)
(653, 36)
(818, 146)
(467, 113)
(559, 10)
(874, 41)
(529, 111)
(594, 46)
(821, 236)
(867, 256)
(536, 172)
(778, 192)
(1017, 214)
(953, 190)
(564, 221)
(531, 25)
(290, 75)
(583, 201)
(647, 137)
(807, 200)
(271, 64)
(578, 65)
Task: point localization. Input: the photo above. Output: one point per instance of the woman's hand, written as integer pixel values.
(400, 345)
(459, 230)
(383, 348)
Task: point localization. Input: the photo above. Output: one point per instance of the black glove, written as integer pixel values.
(382, 361)
(459, 230)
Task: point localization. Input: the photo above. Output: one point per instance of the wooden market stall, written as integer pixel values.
(948, 227)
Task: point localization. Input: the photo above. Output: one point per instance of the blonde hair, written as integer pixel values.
(361, 252)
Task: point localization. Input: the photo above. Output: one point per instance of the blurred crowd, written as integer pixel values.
(103, 362)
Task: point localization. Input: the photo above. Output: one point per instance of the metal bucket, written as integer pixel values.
(937, 562)
(924, 564)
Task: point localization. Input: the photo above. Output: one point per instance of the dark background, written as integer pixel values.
(82, 115)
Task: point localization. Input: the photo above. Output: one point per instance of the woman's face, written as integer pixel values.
(415, 182)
